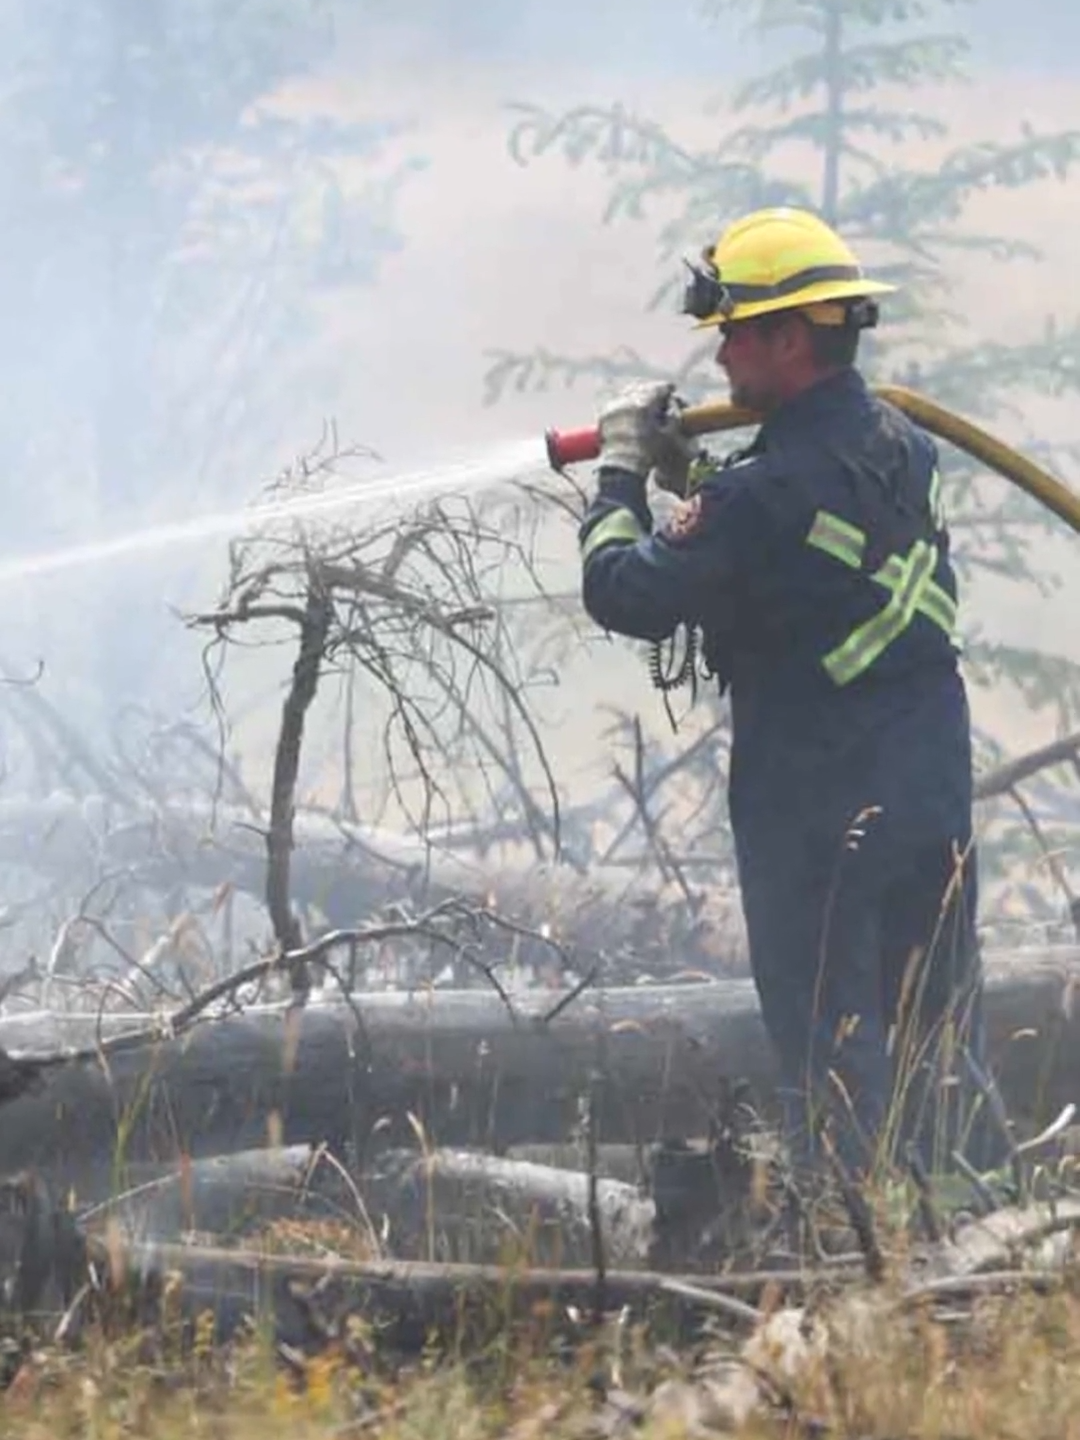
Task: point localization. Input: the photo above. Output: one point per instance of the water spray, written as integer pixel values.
(466, 477)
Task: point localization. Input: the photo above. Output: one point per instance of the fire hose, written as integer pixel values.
(570, 447)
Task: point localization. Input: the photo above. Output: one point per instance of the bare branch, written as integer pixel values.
(1007, 777)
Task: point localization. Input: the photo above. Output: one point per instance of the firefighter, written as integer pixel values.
(815, 566)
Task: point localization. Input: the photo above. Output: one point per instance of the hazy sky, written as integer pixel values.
(680, 39)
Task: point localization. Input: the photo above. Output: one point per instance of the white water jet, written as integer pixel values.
(507, 463)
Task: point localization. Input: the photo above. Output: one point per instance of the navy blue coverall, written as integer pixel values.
(816, 565)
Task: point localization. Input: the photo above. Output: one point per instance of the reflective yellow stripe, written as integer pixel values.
(847, 543)
(837, 538)
(863, 646)
(938, 605)
(700, 469)
(934, 602)
(621, 524)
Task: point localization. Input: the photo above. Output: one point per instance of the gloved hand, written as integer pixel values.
(675, 455)
(631, 426)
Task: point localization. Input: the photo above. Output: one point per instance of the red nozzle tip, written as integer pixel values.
(571, 447)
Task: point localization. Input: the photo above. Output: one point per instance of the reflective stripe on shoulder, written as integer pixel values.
(836, 537)
(618, 525)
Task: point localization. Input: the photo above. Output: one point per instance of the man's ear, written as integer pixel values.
(796, 339)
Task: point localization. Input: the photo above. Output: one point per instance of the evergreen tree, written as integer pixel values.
(823, 128)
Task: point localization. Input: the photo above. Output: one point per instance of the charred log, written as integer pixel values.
(228, 1197)
(474, 1072)
(464, 1206)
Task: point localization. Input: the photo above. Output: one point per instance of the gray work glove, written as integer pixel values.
(631, 426)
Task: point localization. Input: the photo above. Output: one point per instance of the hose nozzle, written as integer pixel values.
(572, 447)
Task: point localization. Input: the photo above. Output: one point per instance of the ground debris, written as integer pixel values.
(1040, 1234)
(708, 1404)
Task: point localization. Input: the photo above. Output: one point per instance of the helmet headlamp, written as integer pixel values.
(704, 293)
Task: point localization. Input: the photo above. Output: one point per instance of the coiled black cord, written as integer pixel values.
(665, 674)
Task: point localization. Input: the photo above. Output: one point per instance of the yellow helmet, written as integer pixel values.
(781, 259)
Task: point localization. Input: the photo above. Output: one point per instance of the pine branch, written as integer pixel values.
(863, 68)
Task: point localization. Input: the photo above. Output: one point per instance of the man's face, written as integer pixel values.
(757, 357)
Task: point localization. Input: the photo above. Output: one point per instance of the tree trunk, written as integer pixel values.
(318, 613)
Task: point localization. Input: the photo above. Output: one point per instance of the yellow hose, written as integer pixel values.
(938, 420)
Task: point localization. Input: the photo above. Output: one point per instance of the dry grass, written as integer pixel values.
(1010, 1369)
(110, 1393)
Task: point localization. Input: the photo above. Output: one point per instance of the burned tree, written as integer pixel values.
(398, 603)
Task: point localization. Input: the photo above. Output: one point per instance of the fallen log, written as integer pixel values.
(445, 1205)
(224, 1196)
(48, 1267)
(51, 1271)
(306, 1298)
(455, 1205)
(470, 1069)
(462, 1205)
